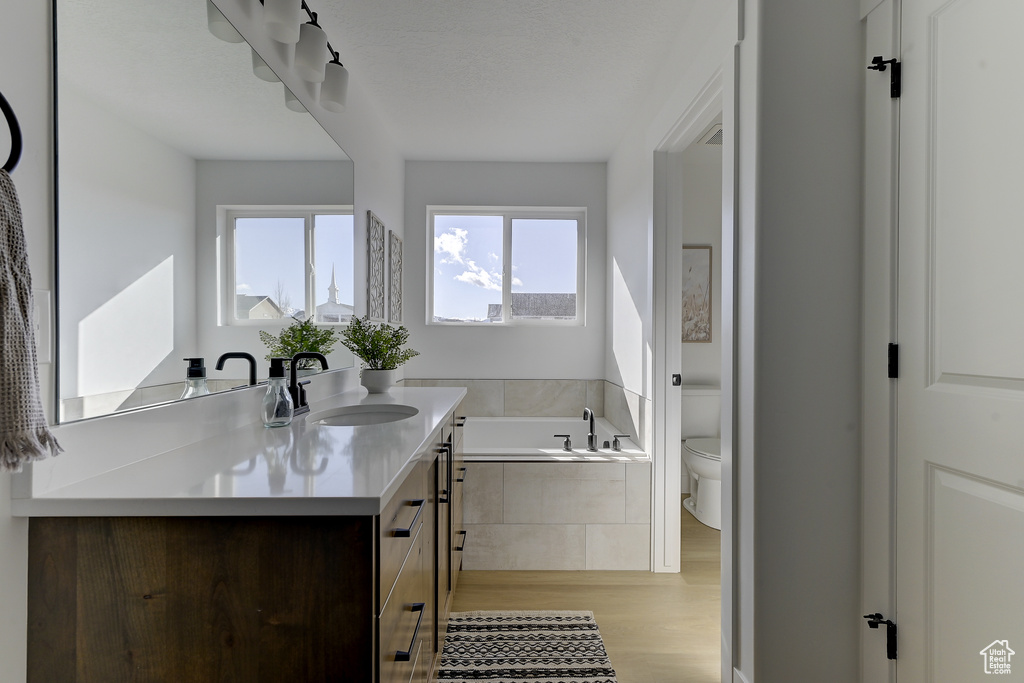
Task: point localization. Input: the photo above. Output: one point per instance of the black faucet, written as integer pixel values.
(588, 414)
(240, 354)
(298, 394)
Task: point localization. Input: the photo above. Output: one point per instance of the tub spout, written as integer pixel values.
(588, 414)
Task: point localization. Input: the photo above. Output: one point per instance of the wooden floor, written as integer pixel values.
(657, 628)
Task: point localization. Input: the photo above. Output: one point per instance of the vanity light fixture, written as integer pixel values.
(281, 19)
(334, 91)
(309, 60)
(220, 26)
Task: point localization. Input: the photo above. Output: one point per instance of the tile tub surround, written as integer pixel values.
(566, 516)
(628, 411)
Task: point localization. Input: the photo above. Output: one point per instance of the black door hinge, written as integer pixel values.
(874, 621)
(895, 75)
(894, 361)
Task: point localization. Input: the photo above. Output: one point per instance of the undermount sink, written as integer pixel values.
(362, 414)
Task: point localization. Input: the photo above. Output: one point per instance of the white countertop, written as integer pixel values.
(301, 469)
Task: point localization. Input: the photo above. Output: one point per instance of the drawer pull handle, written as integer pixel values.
(406, 533)
(404, 656)
(463, 546)
(463, 477)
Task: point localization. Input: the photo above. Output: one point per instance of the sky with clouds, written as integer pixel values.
(468, 261)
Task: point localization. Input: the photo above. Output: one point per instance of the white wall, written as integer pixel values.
(799, 335)
(494, 352)
(253, 183)
(687, 70)
(127, 200)
(25, 82)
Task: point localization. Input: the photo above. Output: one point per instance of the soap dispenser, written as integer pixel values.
(195, 382)
(277, 404)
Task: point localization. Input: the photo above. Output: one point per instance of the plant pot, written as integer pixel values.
(377, 381)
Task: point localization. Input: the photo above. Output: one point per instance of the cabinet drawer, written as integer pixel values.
(404, 627)
(398, 525)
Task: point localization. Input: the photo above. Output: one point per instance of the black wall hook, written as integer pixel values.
(12, 123)
(895, 76)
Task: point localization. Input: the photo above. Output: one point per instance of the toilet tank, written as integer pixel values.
(701, 411)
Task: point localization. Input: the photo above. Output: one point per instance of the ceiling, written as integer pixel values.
(510, 80)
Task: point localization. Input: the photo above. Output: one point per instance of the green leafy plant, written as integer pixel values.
(378, 345)
(302, 335)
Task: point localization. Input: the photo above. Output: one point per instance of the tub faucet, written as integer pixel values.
(588, 414)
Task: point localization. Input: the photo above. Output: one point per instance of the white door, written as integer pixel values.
(960, 443)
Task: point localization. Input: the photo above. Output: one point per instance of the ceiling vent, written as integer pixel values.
(713, 136)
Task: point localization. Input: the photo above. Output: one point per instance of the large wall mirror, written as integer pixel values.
(164, 135)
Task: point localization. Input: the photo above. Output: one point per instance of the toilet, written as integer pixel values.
(702, 452)
(703, 459)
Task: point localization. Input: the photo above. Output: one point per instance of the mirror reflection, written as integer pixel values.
(194, 208)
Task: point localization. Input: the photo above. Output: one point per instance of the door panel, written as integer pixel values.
(960, 472)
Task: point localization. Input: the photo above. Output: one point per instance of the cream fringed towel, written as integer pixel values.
(24, 434)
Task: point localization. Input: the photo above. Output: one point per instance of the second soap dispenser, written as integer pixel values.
(195, 378)
(277, 404)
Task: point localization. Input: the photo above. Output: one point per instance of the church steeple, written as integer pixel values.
(332, 291)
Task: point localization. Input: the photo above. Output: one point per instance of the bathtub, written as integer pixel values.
(531, 439)
(530, 505)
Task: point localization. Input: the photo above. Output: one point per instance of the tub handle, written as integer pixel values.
(616, 446)
(567, 444)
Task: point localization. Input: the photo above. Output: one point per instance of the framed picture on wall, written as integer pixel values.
(395, 281)
(696, 271)
(374, 267)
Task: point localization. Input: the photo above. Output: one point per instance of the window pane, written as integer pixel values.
(269, 271)
(332, 276)
(467, 268)
(544, 269)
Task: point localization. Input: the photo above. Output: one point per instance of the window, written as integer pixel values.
(506, 266)
(288, 263)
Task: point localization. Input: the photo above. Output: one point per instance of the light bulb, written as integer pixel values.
(281, 19)
(292, 102)
(311, 53)
(220, 26)
(262, 71)
(334, 91)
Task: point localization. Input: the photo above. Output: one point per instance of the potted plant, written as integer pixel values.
(379, 347)
(301, 335)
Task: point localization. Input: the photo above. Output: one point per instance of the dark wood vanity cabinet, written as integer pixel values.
(253, 599)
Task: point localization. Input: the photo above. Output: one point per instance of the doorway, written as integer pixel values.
(690, 191)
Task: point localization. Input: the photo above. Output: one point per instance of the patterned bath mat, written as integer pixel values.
(521, 647)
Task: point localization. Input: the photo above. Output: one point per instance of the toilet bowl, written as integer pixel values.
(703, 459)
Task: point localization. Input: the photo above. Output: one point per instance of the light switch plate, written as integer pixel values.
(41, 324)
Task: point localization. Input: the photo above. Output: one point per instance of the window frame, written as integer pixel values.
(509, 214)
(228, 215)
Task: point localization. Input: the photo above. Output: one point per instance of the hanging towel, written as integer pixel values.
(24, 434)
